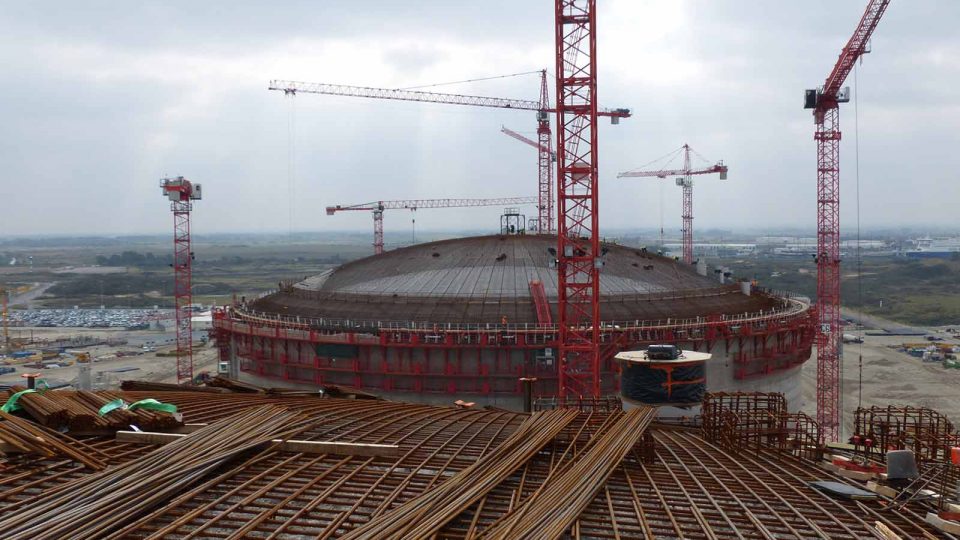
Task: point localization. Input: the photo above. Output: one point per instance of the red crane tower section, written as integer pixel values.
(415, 204)
(546, 157)
(545, 221)
(578, 238)
(181, 193)
(826, 114)
(686, 182)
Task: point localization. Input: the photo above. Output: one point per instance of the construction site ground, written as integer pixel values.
(148, 366)
(890, 377)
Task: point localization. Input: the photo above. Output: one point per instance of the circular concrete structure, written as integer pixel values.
(467, 318)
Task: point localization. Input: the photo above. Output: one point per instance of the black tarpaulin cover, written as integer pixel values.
(647, 383)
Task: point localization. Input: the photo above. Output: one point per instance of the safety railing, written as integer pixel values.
(790, 309)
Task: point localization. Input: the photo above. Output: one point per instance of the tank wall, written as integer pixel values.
(490, 375)
(720, 378)
(781, 372)
(469, 372)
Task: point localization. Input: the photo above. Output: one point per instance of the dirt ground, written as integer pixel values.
(890, 377)
(28, 299)
(148, 366)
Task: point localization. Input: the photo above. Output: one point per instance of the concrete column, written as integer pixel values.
(234, 360)
(83, 377)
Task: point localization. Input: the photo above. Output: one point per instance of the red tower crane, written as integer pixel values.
(686, 182)
(542, 107)
(579, 258)
(416, 204)
(181, 193)
(526, 140)
(546, 157)
(826, 115)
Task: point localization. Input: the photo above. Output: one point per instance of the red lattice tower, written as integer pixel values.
(378, 230)
(828, 272)
(687, 184)
(826, 114)
(578, 238)
(545, 221)
(181, 192)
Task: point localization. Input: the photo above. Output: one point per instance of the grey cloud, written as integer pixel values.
(100, 99)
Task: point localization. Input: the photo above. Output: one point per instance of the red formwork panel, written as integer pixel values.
(770, 343)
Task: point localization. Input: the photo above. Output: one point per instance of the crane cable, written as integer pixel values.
(291, 163)
(667, 159)
(700, 156)
(470, 80)
(856, 143)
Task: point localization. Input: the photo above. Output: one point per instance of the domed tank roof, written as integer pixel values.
(499, 265)
(485, 279)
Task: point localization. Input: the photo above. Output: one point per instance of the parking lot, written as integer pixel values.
(124, 357)
(88, 318)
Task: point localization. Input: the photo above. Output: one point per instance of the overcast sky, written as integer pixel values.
(100, 99)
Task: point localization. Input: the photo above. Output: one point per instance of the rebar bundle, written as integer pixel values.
(45, 411)
(424, 516)
(150, 386)
(550, 511)
(101, 504)
(235, 386)
(27, 437)
(691, 489)
(79, 412)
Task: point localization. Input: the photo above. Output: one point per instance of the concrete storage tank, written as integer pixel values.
(467, 318)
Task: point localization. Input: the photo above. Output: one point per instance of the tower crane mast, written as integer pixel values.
(378, 207)
(826, 116)
(579, 258)
(545, 160)
(686, 182)
(181, 193)
(546, 157)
